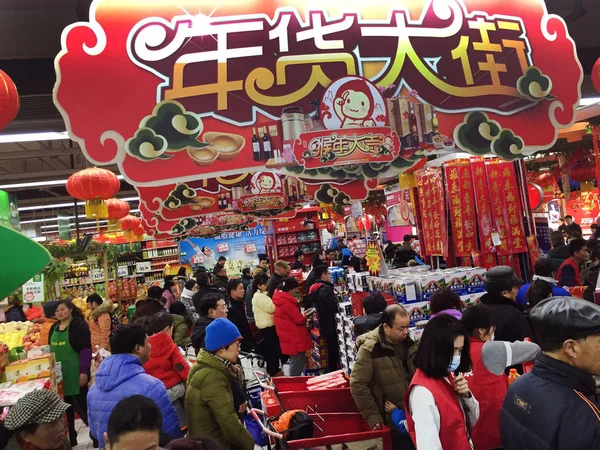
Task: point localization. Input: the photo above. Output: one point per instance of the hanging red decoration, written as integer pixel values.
(583, 172)
(9, 100)
(117, 209)
(330, 226)
(366, 221)
(536, 196)
(360, 224)
(596, 75)
(379, 220)
(129, 224)
(94, 185)
(139, 232)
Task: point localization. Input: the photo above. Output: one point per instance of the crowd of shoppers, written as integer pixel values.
(448, 391)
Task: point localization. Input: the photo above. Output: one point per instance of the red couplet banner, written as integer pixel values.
(433, 211)
(484, 208)
(506, 208)
(461, 205)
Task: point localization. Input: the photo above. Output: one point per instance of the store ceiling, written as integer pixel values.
(30, 33)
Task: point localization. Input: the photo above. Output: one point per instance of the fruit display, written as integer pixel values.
(32, 338)
(12, 333)
(82, 305)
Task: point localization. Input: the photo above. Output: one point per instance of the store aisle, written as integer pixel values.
(83, 436)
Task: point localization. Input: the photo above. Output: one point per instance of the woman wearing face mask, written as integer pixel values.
(487, 380)
(441, 410)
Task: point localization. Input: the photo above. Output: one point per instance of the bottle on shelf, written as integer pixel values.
(267, 145)
(255, 146)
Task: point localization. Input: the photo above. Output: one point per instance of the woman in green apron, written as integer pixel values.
(70, 342)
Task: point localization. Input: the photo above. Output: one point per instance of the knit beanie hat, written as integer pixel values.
(50, 309)
(221, 333)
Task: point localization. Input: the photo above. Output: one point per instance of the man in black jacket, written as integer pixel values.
(502, 286)
(282, 270)
(323, 297)
(210, 307)
(234, 292)
(554, 407)
(373, 305)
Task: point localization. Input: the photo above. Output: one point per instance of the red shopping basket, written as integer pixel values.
(349, 430)
(330, 401)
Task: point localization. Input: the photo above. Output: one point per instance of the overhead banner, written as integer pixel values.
(194, 89)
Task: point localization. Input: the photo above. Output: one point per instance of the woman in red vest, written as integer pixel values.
(440, 407)
(487, 380)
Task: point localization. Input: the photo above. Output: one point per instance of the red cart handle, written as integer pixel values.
(255, 412)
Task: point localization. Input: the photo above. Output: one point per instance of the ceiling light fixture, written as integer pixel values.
(66, 205)
(37, 184)
(72, 224)
(54, 219)
(33, 137)
(588, 101)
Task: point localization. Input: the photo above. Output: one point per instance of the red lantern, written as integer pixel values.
(129, 224)
(117, 209)
(536, 196)
(9, 100)
(379, 220)
(360, 224)
(330, 226)
(94, 185)
(583, 172)
(596, 75)
(139, 232)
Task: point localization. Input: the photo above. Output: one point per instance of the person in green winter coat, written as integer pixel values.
(209, 401)
(182, 324)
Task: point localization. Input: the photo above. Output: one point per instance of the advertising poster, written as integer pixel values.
(33, 290)
(234, 245)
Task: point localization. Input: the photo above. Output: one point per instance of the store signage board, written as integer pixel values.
(175, 95)
(33, 290)
(143, 267)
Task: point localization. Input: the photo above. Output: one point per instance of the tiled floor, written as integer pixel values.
(83, 437)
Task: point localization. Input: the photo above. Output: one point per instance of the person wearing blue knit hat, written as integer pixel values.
(209, 400)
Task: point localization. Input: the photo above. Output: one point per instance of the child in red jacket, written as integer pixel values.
(166, 362)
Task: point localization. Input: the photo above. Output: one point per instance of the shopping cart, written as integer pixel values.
(331, 430)
(275, 400)
(251, 362)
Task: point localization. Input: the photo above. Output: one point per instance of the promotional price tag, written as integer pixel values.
(122, 271)
(143, 267)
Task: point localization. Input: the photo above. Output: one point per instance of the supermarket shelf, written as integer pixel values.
(154, 257)
(297, 243)
(297, 231)
(163, 263)
(160, 248)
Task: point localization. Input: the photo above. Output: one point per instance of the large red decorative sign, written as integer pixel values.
(484, 208)
(432, 204)
(179, 91)
(461, 204)
(506, 208)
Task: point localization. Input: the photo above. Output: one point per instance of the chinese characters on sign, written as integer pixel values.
(506, 208)
(479, 56)
(484, 208)
(433, 211)
(33, 290)
(461, 204)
